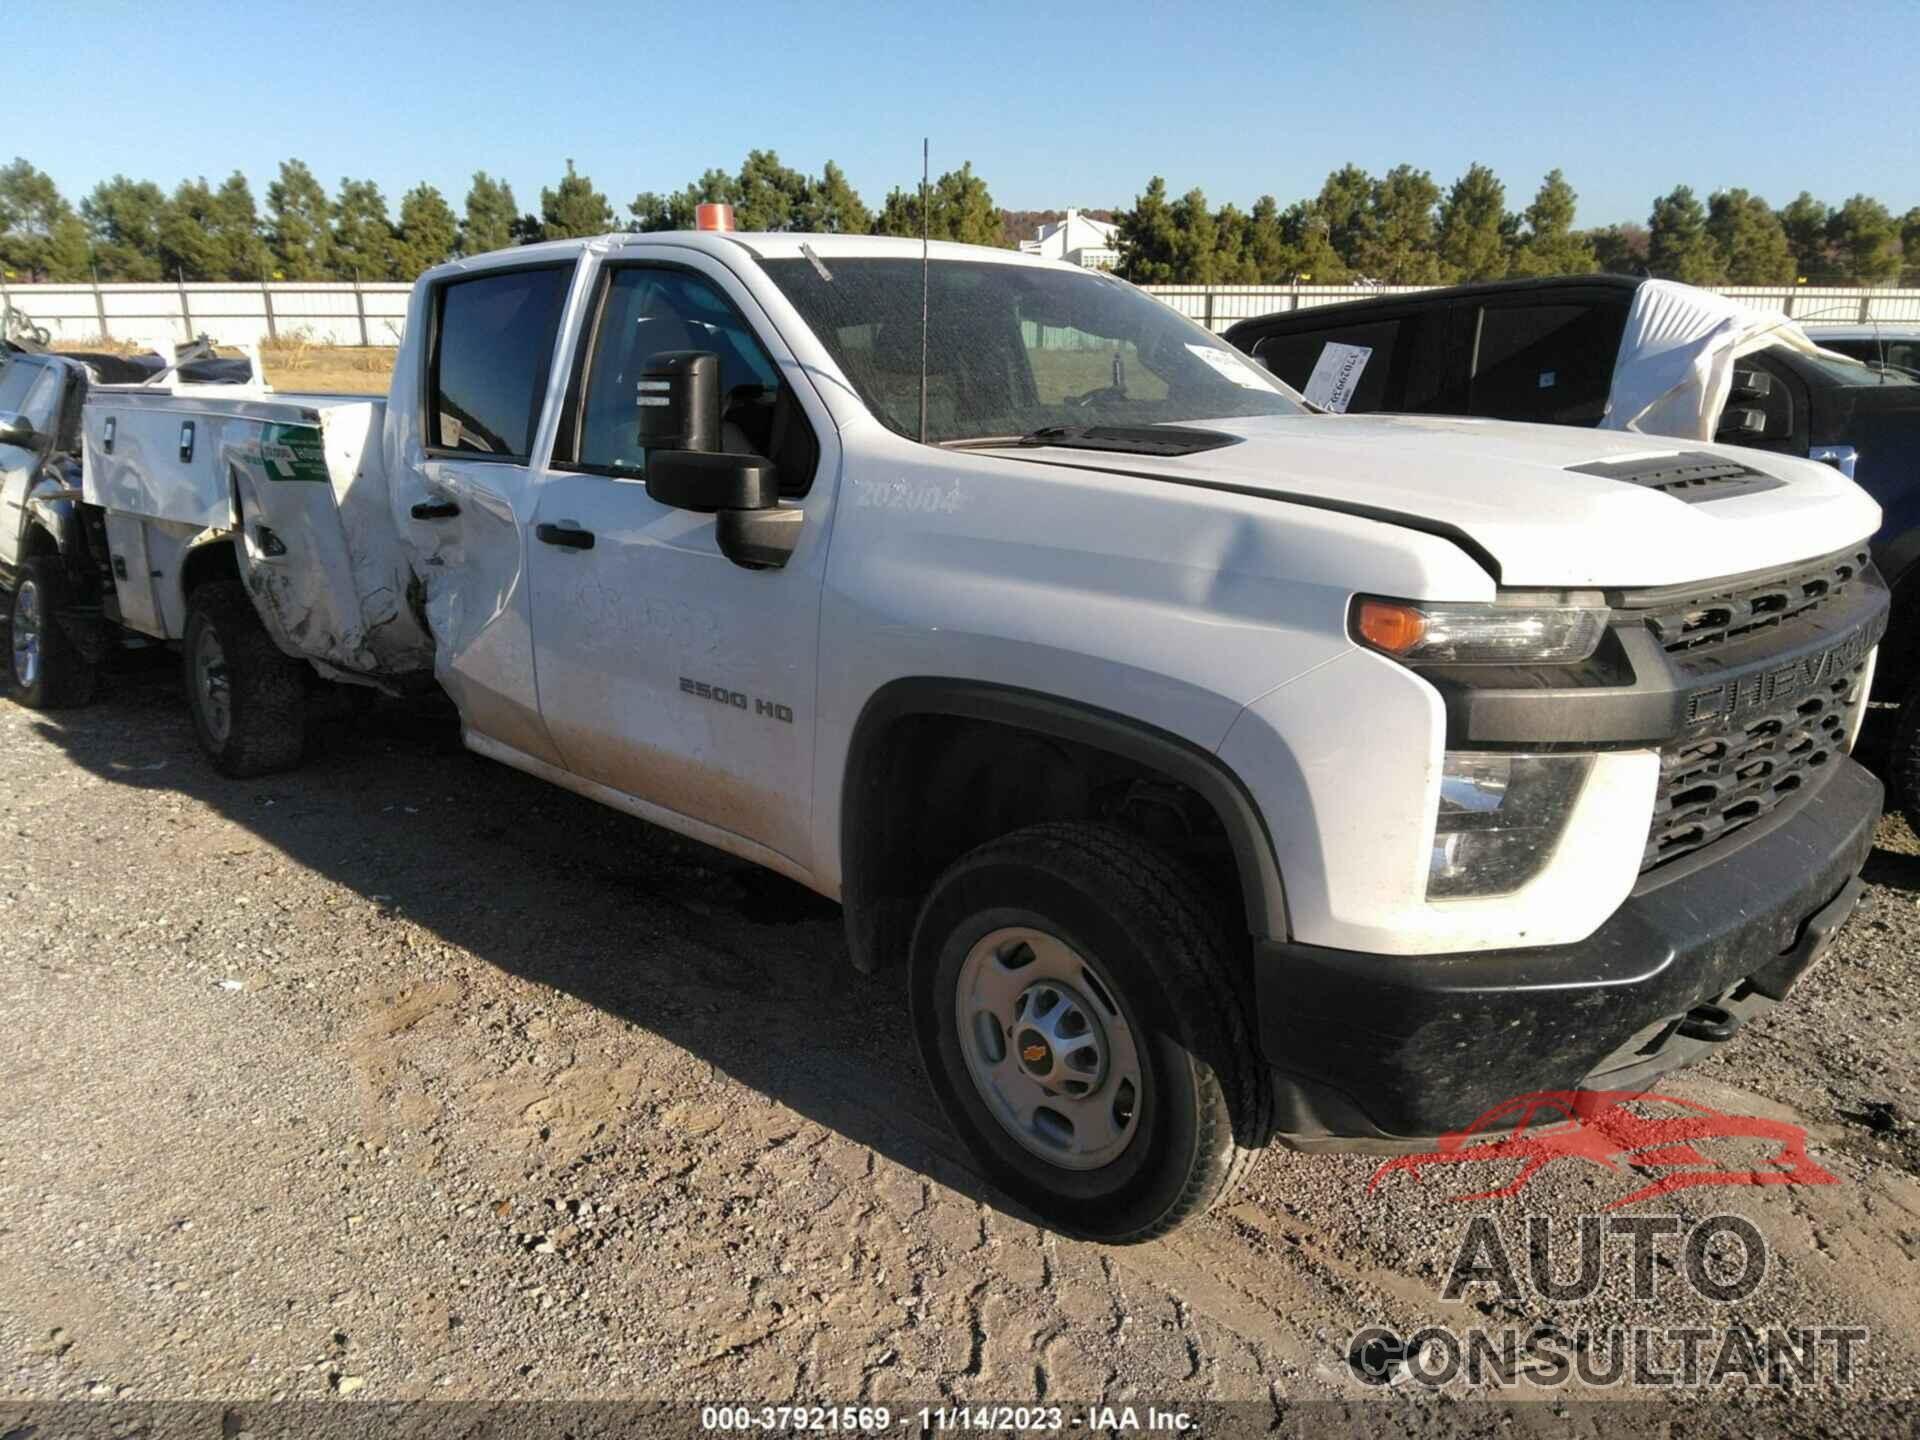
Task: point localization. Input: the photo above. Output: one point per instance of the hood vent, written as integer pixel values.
(1694, 476)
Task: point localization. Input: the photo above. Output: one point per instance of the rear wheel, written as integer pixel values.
(248, 700)
(49, 672)
(1073, 1006)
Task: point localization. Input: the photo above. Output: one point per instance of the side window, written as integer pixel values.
(650, 310)
(1547, 363)
(17, 379)
(43, 399)
(492, 351)
(1292, 358)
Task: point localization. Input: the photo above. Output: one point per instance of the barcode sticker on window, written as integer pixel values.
(1336, 375)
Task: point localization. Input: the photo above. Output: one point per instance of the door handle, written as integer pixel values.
(435, 510)
(572, 537)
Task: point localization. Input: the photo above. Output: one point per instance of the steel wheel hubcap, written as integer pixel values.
(1048, 1048)
(211, 684)
(27, 625)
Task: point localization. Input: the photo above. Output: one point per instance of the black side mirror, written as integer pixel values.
(678, 395)
(742, 491)
(16, 429)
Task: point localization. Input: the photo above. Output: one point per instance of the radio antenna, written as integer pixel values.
(926, 246)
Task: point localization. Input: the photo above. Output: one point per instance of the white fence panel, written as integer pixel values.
(342, 313)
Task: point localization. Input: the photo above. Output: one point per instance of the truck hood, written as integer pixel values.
(1513, 495)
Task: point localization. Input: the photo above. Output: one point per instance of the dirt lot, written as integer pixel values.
(409, 1076)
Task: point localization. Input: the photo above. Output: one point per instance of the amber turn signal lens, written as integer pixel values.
(1395, 629)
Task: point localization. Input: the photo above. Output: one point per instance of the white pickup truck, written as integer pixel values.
(1218, 770)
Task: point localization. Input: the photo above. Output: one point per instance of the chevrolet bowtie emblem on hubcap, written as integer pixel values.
(1034, 1054)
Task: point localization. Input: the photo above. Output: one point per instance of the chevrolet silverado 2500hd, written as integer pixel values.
(1216, 769)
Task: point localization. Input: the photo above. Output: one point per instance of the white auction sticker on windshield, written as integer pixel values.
(1336, 375)
(1230, 364)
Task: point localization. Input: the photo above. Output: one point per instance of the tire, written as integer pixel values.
(47, 670)
(1152, 980)
(1904, 764)
(248, 700)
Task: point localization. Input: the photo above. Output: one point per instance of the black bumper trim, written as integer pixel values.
(1390, 1048)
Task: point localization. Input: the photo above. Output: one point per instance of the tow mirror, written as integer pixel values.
(16, 429)
(678, 396)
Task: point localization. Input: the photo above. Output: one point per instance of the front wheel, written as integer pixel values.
(49, 671)
(1073, 1004)
(247, 698)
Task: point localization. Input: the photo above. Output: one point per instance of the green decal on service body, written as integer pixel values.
(293, 452)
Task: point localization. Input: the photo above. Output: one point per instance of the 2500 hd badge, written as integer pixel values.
(738, 699)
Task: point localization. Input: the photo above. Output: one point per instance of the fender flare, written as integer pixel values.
(862, 848)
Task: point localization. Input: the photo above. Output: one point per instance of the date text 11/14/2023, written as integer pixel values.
(945, 1419)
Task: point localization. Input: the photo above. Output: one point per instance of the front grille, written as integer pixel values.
(1715, 617)
(1713, 782)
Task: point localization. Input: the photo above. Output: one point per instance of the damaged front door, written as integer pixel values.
(666, 671)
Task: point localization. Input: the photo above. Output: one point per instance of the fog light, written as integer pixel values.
(1500, 819)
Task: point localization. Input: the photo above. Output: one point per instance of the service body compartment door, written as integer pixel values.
(666, 671)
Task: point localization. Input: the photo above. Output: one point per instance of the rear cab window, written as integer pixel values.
(1551, 363)
(492, 354)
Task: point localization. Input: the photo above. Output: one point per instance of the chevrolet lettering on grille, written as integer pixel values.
(1768, 687)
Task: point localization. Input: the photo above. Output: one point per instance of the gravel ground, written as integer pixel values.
(409, 1076)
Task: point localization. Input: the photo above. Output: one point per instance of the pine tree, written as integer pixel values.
(362, 234)
(1550, 245)
(1804, 219)
(960, 208)
(1472, 246)
(242, 253)
(490, 216)
(1399, 247)
(428, 231)
(1749, 237)
(189, 245)
(834, 206)
(41, 238)
(1343, 212)
(573, 208)
(1865, 239)
(299, 225)
(1678, 247)
(1148, 237)
(124, 216)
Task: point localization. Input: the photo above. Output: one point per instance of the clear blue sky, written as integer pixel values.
(1055, 104)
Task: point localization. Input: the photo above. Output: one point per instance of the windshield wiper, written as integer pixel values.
(1128, 439)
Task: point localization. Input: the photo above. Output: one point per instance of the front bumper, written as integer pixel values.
(1369, 1051)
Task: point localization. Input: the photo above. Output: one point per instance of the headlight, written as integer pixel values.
(1500, 819)
(1519, 632)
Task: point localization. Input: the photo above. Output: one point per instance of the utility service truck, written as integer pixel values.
(1218, 770)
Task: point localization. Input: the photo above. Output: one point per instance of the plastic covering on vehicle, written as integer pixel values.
(1675, 366)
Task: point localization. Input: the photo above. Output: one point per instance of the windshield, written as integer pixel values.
(1854, 372)
(1013, 349)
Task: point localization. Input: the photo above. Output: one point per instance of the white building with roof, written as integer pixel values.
(1079, 240)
